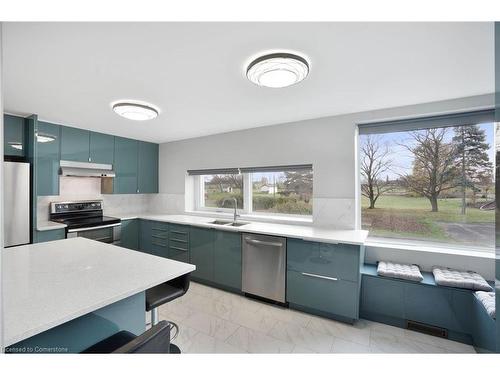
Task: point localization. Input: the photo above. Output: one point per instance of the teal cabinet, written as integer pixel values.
(145, 236)
(340, 261)
(227, 259)
(202, 252)
(50, 235)
(125, 165)
(147, 174)
(101, 148)
(74, 144)
(14, 136)
(130, 234)
(324, 278)
(328, 296)
(47, 158)
(159, 239)
(178, 242)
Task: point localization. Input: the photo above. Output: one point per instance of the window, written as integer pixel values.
(285, 190)
(218, 188)
(430, 180)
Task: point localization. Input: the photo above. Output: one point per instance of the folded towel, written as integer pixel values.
(488, 301)
(460, 279)
(399, 271)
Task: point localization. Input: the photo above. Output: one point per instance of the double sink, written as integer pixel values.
(228, 223)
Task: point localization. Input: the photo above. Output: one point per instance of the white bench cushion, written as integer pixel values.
(460, 279)
(488, 301)
(399, 271)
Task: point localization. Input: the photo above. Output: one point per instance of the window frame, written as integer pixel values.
(247, 209)
(482, 116)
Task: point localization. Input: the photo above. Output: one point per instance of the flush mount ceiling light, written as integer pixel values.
(278, 70)
(135, 111)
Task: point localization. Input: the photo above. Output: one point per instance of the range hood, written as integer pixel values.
(79, 169)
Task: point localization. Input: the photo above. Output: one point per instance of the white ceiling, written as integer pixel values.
(69, 73)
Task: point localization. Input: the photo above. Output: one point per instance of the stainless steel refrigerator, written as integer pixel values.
(16, 203)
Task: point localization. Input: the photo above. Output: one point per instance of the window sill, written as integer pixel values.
(430, 248)
(257, 218)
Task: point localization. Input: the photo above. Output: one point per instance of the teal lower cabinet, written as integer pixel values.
(130, 234)
(202, 253)
(453, 311)
(227, 259)
(50, 235)
(217, 257)
(145, 236)
(81, 333)
(324, 278)
(324, 296)
(178, 242)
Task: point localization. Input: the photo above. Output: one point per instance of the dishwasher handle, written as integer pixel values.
(265, 243)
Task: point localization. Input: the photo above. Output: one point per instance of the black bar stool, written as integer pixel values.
(154, 340)
(163, 293)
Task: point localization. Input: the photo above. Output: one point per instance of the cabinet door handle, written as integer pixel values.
(177, 240)
(319, 276)
(265, 243)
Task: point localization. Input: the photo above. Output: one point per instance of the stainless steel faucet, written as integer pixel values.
(235, 207)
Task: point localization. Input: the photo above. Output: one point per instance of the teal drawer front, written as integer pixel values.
(334, 260)
(159, 249)
(74, 144)
(13, 136)
(178, 253)
(50, 235)
(337, 297)
(160, 225)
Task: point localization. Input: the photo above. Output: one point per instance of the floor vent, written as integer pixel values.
(427, 329)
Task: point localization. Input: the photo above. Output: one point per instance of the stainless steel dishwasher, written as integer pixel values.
(264, 266)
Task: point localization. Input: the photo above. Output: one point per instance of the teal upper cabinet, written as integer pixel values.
(74, 144)
(125, 166)
(14, 144)
(147, 174)
(47, 155)
(101, 148)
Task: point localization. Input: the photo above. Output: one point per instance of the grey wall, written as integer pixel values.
(328, 143)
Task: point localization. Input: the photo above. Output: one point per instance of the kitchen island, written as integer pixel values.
(66, 295)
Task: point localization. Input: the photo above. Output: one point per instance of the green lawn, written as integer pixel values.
(409, 217)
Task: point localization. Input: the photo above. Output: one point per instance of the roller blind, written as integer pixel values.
(199, 172)
(276, 168)
(441, 121)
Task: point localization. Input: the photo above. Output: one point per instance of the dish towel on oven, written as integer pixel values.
(399, 271)
(460, 279)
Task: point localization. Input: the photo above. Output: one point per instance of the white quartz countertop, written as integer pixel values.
(50, 283)
(49, 225)
(306, 232)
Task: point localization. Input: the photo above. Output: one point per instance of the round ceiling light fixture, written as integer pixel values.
(278, 70)
(133, 110)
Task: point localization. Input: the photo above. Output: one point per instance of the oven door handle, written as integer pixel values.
(92, 228)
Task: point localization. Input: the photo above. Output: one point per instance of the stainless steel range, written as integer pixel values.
(85, 219)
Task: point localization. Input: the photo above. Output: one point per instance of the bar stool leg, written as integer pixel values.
(154, 317)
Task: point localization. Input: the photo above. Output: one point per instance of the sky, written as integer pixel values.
(403, 161)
